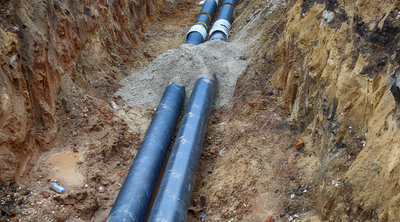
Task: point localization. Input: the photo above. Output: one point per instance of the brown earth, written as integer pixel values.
(319, 74)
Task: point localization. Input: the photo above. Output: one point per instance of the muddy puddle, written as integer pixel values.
(65, 168)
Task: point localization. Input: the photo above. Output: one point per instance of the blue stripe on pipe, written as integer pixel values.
(135, 195)
(173, 197)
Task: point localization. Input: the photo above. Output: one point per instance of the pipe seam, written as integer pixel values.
(198, 28)
(205, 13)
(228, 3)
(203, 23)
(221, 25)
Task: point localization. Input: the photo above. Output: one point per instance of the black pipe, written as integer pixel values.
(198, 32)
(135, 195)
(222, 26)
(173, 197)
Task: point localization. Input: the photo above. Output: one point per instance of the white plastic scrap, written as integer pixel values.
(114, 105)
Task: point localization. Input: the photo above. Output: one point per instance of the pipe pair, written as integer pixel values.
(173, 198)
(198, 32)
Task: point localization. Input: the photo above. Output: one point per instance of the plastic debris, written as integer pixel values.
(57, 188)
(299, 145)
(101, 189)
(203, 216)
(290, 219)
(114, 105)
(292, 196)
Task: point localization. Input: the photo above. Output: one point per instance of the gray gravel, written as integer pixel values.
(183, 66)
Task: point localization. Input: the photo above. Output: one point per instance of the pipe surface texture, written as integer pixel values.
(222, 26)
(198, 32)
(173, 197)
(135, 195)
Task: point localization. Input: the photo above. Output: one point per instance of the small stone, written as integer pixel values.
(9, 209)
(69, 200)
(24, 192)
(394, 81)
(45, 194)
(79, 162)
(269, 219)
(212, 150)
(299, 145)
(73, 116)
(111, 81)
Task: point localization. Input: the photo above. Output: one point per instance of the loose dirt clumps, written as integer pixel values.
(184, 66)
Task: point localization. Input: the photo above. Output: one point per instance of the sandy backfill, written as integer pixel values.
(183, 66)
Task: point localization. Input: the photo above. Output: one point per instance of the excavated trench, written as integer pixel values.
(304, 124)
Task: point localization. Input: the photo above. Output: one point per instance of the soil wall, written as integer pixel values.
(42, 41)
(331, 61)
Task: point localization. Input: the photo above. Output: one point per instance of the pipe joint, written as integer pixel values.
(198, 28)
(221, 25)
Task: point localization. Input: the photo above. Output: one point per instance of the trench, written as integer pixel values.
(296, 131)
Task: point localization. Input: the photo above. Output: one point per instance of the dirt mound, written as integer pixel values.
(184, 66)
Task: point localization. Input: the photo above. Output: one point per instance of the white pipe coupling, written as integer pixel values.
(221, 25)
(198, 28)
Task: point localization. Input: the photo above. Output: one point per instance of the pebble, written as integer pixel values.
(299, 145)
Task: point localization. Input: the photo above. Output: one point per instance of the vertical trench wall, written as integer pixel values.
(44, 41)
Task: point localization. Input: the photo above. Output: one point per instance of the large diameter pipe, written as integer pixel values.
(135, 195)
(222, 26)
(198, 32)
(173, 197)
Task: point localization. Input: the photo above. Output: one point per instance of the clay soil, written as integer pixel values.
(250, 168)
